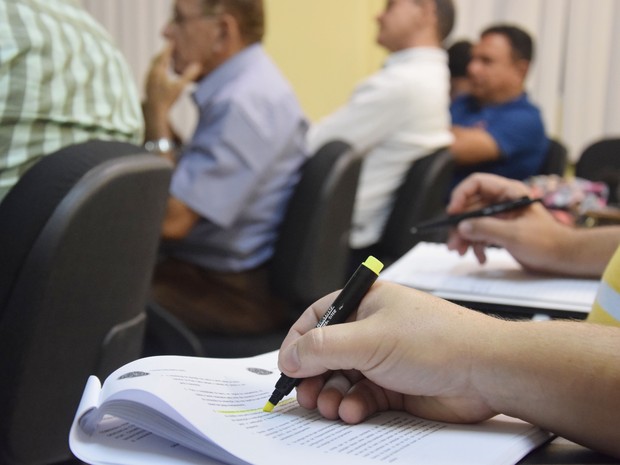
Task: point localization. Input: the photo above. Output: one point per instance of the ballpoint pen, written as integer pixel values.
(348, 300)
(490, 210)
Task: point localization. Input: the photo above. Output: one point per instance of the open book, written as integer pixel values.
(186, 410)
(501, 280)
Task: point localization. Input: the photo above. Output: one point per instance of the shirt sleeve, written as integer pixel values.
(517, 132)
(223, 164)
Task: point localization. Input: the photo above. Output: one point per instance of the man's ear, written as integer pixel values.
(227, 35)
(523, 66)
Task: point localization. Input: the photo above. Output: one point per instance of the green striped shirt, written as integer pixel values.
(62, 81)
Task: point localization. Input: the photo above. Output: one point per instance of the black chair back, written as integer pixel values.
(423, 194)
(600, 161)
(311, 253)
(556, 159)
(78, 239)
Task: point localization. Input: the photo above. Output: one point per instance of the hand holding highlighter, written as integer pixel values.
(348, 300)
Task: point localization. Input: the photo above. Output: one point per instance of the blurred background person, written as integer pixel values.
(496, 128)
(234, 177)
(398, 114)
(62, 82)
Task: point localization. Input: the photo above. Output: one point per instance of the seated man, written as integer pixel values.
(62, 82)
(496, 128)
(398, 114)
(233, 179)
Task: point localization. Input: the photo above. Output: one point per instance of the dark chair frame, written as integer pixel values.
(79, 233)
(600, 161)
(556, 159)
(423, 194)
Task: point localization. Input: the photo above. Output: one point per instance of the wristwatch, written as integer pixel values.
(162, 145)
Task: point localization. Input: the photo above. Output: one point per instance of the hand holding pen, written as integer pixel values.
(529, 234)
(489, 210)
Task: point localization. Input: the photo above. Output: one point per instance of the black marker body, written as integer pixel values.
(347, 301)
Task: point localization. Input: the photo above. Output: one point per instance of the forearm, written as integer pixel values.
(585, 251)
(179, 220)
(473, 146)
(562, 376)
(156, 124)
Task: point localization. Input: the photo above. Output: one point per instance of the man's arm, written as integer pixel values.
(531, 235)
(411, 351)
(161, 93)
(473, 145)
(179, 220)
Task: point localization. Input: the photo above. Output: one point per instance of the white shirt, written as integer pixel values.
(395, 116)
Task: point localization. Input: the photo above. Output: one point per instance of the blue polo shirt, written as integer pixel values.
(517, 128)
(241, 165)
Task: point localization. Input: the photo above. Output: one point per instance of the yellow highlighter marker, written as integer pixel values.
(348, 300)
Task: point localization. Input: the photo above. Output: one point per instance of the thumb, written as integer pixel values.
(487, 230)
(339, 347)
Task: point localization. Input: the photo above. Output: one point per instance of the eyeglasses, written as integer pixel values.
(178, 20)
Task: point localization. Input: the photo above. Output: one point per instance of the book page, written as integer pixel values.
(434, 268)
(221, 402)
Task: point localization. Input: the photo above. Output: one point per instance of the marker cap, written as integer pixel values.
(373, 264)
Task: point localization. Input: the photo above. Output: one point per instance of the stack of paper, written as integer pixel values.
(501, 280)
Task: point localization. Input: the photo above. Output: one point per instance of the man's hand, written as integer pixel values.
(353, 370)
(162, 91)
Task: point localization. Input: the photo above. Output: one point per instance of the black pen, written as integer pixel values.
(348, 300)
(490, 210)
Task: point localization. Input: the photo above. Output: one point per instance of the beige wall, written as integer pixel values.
(324, 47)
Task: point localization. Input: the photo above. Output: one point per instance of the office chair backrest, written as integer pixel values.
(600, 161)
(311, 253)
(556, 159)
(422, 195)
(78, 239)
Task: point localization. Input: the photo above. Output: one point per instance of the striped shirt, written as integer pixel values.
(62, 81)
(606, 308)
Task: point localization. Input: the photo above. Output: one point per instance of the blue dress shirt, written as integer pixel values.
(241, 165)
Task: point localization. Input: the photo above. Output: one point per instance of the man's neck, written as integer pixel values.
(419, 39)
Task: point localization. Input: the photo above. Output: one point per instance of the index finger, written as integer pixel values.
(485, 186)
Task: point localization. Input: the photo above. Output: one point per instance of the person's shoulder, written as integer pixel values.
(522, 103)
(464, 102)
(261, 74)
(525, 110)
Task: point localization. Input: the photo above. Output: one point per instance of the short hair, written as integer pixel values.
(446, 14)
(250, 16)
(459, 56)
(520, 41)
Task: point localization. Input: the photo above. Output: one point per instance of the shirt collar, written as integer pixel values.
(208, 86)
(417, 54)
